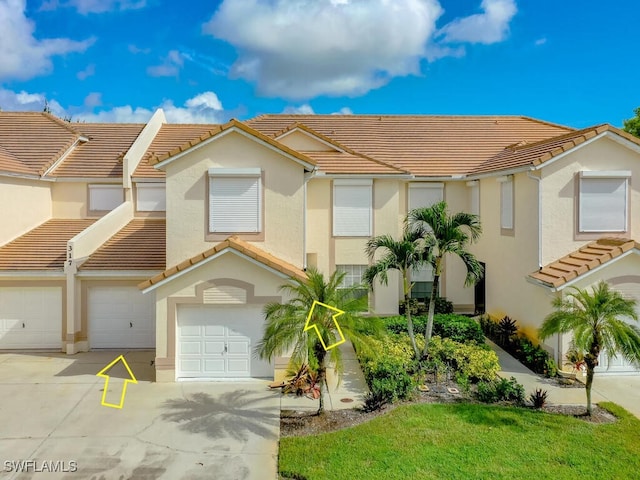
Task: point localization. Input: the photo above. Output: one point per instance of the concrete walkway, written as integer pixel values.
(621, 389)
(348, 393)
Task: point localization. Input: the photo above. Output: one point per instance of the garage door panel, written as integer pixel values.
(214, 330)
(238, 365)
(30, 317)
(214, 366)
(238, 347)
(190, 348)
(213, 348)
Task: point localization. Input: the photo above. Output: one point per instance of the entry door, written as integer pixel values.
(480, 292)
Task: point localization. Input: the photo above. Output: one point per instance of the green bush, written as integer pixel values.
(394, 346)
(470, 360)
(443, 306)
(389, 380)
(502, 390)
(457, 327)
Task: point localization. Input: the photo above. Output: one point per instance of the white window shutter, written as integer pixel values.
(603, 204)
(151, 197)
(475, 198)
(506, 204)
(423, 195)
(103, 198)
(352, 209)
(234, 204)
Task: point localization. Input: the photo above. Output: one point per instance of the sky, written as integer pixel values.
(572, 62)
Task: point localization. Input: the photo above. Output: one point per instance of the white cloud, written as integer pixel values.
(22, 56)
(540, 41)
(87, 72)
(94, 6)
(24, 101)
(304, 109)
(303, 48)
(343, 111)
(93, 100)
(170, 66)
(136, 50)
(488, 27)
(203, 108)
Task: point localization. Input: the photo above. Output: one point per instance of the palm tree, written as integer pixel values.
(284, 331)
(595, 319)
(446, 234)
(403, 255)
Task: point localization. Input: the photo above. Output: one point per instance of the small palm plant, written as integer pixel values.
(596, 319)
(285, 322)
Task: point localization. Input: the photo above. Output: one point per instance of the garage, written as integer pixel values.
(218, 341)
(120, 317)
(31, 317)
(619, 365)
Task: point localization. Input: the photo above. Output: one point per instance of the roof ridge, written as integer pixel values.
(557, 137)
(60, 122)
(545, 122)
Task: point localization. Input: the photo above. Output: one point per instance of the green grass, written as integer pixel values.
(468, 441)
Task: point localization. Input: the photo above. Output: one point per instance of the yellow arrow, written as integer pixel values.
(308, 325)
(103, 373)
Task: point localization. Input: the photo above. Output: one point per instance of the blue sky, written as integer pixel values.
(570, 62)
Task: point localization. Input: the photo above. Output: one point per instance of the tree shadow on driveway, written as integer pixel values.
(235, 414)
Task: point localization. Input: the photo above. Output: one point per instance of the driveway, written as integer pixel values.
(51, 416)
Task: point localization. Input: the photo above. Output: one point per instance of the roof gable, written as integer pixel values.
(232, 244)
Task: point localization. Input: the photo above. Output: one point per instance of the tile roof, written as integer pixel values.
(140, 245)
(43, 248)
(342, 162)
(155, 159)
(582, 261)
(35, 139)
(102, 155)
(534, 154)
(170, 137)
(423, 144)
(10, 163)
(238, 245)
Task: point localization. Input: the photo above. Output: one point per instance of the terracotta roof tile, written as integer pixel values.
(43, 248)
(102, 155)
(537, 153)
(35, 139)
(168, 138)
(234, 243)
(140, 245)
(424, 145)
(340, 162)
(10, 163)
(155, 159)
(582, 261)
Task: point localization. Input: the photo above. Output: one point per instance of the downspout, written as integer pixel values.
(538, 180)
(307, 177)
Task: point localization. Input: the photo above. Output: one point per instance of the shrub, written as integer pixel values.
(458, 328)
(375, 401)
(506, 329)
(538, 398)
(413, 305)
(502, 390)
(443, 306)
(551, 368)
(394, 346)
(473, 361)
(389, 380)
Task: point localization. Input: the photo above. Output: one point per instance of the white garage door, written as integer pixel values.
(31, 317)
(218, 341)
(619, 365)
(121, 317)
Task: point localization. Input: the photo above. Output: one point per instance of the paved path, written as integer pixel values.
(621, 389)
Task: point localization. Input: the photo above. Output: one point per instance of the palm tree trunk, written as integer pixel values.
(322, 371)
(588, 388)
(407, 312)
(432, 309)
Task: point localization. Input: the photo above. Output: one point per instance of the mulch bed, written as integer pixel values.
(293, 423)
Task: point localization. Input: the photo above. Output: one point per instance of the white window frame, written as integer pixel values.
(227, 226)
(99, 203)
(589, 225)
(158, 200)
(434, 188)
(507, 199)
(353, 276)
(345, 226)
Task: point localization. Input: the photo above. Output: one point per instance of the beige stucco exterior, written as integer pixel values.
(25, 205)
(70, 199)
(187, 198)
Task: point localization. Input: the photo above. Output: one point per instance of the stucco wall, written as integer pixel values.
(70, 199)
(187, 181)
(560, 187)
(25, 204)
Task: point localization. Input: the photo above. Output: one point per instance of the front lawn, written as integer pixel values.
(468, 441)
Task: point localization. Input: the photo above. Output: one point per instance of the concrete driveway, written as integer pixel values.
(51, 416)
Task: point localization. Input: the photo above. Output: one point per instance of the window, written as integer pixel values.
(506, 202)
(474, 197)
(235, 200)
(353, 277)
(352, 216)
(422, 280)
(151, 197)
(603, 201)
(104, 198)
(425, 194)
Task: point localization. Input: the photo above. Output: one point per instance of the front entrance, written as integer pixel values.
(480, 293)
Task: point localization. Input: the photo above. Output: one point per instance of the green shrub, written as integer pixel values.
(502, 390)
(458, 328)
(394, 346)
(389, 380)
(538, 398)
(470, 360)
(443, 306)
